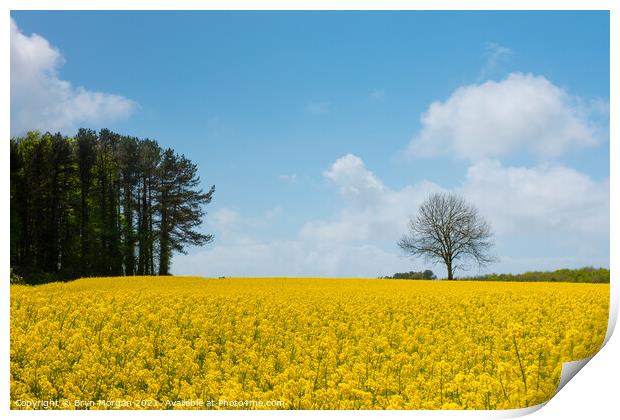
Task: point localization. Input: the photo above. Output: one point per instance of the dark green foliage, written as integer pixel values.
(414, 275)
(15, 278)
(580, 275)
(180, 207)
(100, 204)
(86, 143)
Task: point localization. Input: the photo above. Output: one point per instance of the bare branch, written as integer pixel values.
(448, 230)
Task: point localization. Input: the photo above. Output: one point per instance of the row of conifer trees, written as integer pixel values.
(101, 204)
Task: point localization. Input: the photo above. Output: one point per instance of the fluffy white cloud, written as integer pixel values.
(356, 183)
(520, 113)
(40, 100)
(522, 205)
(241, 249)
(546, 197)
(514, 199)
(372, 212)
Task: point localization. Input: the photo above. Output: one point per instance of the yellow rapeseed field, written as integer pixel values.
(167, 342)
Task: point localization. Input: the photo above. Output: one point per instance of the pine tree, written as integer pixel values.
(100, 204)
(86, 143)
(180, 206)
(149, 155)
(128, 163)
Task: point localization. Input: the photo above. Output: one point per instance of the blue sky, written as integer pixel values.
(319, 132)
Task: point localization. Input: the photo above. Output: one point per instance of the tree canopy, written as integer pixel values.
(101, 204)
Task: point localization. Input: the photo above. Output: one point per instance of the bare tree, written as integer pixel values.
(448, 230)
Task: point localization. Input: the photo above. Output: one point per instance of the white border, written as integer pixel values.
(312, 5)
(593, 394)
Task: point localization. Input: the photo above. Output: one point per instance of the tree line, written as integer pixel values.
(413, 275)
(566, 275)
(100, 204)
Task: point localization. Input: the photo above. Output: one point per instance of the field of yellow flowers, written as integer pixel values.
(175, 342)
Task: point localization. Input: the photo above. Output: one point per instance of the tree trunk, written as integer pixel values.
(142, 232)
(164, 255)
(150, 230)
(84, 230)
(130, 260)
(164, 242)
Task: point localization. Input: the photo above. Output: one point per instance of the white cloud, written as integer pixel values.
(522, 204)
(317, 108)
(289, 258)
(356, 183)
(372, 212)
(40, 100)
(495, 55)
(542, 198)
(520, 113)
(225, 219)
(515, 199)
(288, 178)
(348, 245)
(229, 223)
(242, 250)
